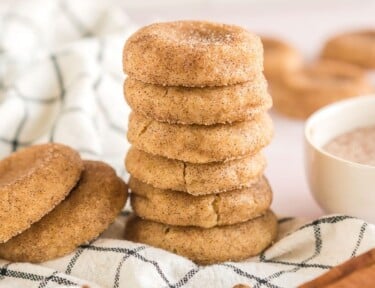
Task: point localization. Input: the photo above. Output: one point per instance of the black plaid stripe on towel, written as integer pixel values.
(302, 252)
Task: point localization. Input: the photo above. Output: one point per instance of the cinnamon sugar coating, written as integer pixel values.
(182, 209)
(32, 182)
(199, 143)
(193, 54)
(206, 106)
(88, 210)
(207, 246)
(195, 179)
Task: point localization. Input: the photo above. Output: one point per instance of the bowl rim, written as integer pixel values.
(331, 109)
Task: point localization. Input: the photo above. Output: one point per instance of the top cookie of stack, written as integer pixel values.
(179, 72)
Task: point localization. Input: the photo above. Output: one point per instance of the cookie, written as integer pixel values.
(193, 54)
(195, 179)
(90, 208)
(279, 58)
(205, 106)
(32, 182)
(207, 246)
(199, 143)
(357, 47)
(182, 209)
(300, 93)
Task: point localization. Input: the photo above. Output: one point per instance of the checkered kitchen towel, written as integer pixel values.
(61, 80)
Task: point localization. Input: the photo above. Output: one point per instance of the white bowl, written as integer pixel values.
(338, 185)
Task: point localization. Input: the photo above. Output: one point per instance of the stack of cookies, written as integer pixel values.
(48, 195)
(198, 126)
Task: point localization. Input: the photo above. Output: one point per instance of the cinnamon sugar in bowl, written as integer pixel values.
(339, 157)
(357, 145)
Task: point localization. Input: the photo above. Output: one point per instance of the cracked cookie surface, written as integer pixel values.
(33, 181)
(195, 179)
(205, 106)
(199, 143)
(182, 209)
(88, 210)
(207, 246)
(193, 54)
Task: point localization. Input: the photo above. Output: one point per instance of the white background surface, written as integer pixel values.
(305, 24)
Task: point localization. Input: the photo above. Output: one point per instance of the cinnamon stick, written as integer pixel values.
(363, 278)
(339, 274)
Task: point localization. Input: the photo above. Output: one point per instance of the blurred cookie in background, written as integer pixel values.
(356, 47)
(279, 57)
(300, 93)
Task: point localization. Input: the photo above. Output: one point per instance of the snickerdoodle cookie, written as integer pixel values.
(209, 105)
(182, 209)
(300, 93)
(195, 179)
(199, 143)
(32, 182)
(193, 54)
(88, 210)
(357, 47)
(279, 58)
(206, 246)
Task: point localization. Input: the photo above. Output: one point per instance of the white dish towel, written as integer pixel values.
(61, 80)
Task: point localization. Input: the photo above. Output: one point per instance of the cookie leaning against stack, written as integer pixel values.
(33, 185)
(198, 126)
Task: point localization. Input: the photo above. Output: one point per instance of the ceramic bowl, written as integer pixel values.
(339, 185)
